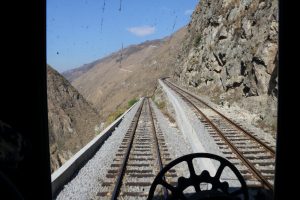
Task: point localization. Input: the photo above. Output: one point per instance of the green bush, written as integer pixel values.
(113, 116)
(131, 102)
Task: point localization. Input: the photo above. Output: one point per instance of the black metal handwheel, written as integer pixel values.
(219, 190)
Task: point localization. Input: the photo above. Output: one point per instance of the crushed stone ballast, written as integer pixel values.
(141, 155)
(254, 158)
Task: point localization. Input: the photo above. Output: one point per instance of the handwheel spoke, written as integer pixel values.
(193, 174)
(204, 177)
(191, 168)
(219, 171)
(167, 185)
(197, 188)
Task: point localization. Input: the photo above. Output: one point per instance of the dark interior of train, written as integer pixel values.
(24, 112)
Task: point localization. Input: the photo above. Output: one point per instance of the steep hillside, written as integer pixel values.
(130, 73)
(231, 55)
(72, 120)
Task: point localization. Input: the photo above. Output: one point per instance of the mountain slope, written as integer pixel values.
(72, 120)
(231, 55)
(228, 52)
(130, 73)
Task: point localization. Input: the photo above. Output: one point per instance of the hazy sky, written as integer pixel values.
(81, 31)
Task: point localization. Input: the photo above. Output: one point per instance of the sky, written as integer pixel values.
(81, 31)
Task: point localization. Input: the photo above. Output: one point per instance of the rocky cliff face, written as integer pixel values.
(72, 120)
(231, 54)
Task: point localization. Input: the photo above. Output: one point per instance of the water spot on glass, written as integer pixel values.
(103, 7)
(120, 6)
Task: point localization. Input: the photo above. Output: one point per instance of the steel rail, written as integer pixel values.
(157, 148)
(272, 152)
(120, 176)
(254, 171)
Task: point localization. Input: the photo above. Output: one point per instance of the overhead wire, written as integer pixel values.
(121, 56)
(102, 18)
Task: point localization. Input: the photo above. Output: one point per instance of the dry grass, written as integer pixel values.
(113, 116)
(109, 86)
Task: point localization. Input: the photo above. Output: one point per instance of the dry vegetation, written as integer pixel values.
(119, 111)
(72, 119)
(109, 86)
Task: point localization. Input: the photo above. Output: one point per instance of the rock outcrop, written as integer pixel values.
(231, 55)
(72, 120)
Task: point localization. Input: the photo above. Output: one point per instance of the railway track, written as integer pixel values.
(253, 157)
(141, 155)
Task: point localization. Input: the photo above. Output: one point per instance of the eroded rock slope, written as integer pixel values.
(72, 120)
(231, 55)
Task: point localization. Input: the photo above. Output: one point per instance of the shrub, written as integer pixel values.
(113, 116)
(131, 102)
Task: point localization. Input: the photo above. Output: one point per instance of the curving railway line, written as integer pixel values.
(141, 155)
(254, 157)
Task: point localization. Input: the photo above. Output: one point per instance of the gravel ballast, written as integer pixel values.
(87, 182)
(177, 144)
(201, 135)
(172, 135)
(243, 117)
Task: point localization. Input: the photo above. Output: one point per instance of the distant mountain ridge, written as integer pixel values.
(228, 51)
(109, 83)
(72, 74)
